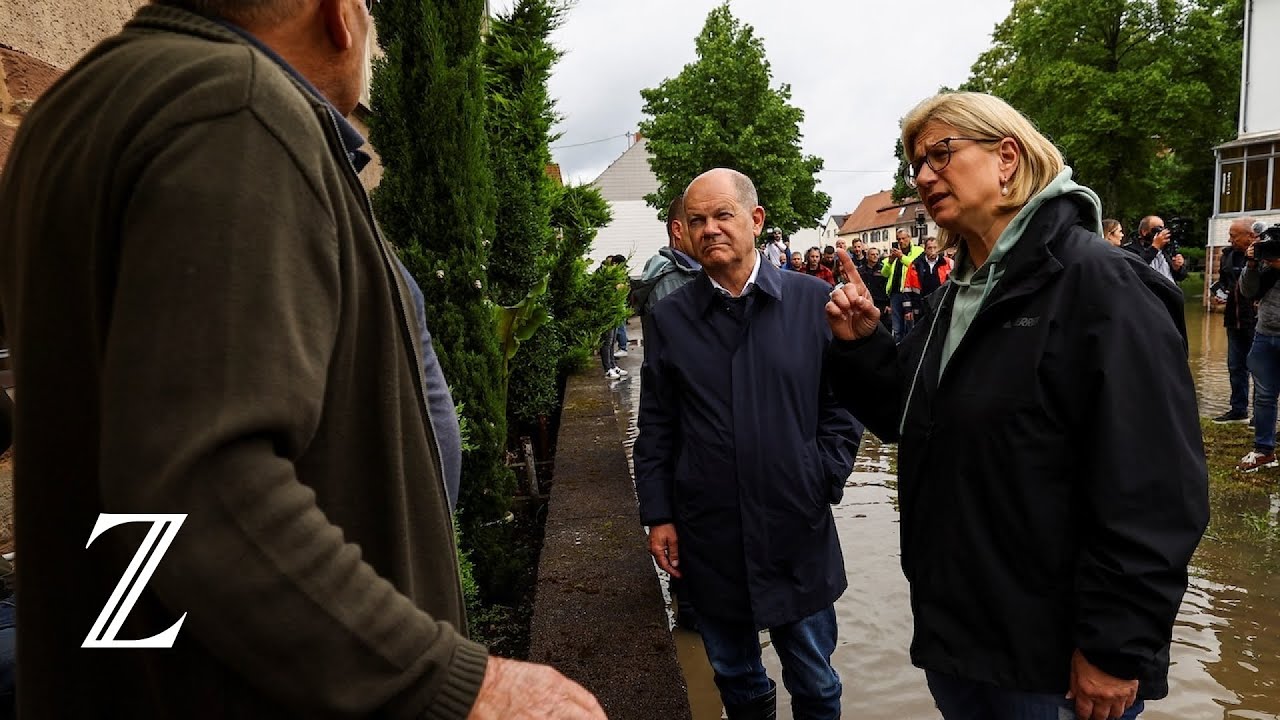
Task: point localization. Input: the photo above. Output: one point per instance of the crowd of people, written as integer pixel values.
(909, 273)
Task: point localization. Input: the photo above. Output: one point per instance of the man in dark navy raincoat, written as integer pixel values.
(742, 449)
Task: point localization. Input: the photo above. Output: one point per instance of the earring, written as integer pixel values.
(1004, 189)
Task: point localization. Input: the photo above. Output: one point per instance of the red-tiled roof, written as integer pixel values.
(879, 211)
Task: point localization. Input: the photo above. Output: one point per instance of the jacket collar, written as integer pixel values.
(170, 19)
(1030, 263)
(680, 259)
(768, 281)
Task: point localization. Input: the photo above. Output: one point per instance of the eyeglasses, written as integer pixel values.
(938, 156)
(368, 5)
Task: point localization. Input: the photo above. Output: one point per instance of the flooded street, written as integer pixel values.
(1226, 651)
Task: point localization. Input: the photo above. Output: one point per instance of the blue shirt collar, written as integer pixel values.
(352, 140)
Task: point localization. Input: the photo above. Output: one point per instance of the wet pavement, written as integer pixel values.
(1226, 651)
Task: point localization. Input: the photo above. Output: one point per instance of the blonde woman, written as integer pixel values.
(1047, 556)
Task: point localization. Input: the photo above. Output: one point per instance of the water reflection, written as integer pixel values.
(1226, 651)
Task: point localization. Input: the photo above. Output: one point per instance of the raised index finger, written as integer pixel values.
(850, 271)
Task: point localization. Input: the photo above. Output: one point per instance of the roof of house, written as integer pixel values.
(629, 177)
(878, 211)
(838, 220)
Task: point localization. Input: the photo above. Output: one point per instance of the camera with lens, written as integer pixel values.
(1178, 227)
(1268, 245)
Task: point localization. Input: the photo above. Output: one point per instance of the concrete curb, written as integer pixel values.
(598, 615)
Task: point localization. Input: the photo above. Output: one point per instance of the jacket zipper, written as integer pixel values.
(423, 406)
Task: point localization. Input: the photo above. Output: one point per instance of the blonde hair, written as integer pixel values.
(987, 116)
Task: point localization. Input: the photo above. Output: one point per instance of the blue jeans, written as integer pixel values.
(1264, 363)
(960, 699)
(1239, 342)
(901, 326)
(622, 336)
(805, 648)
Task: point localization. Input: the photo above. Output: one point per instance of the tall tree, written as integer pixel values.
(518, 58)
(720, 111)
(1135, 92)
(435, 204)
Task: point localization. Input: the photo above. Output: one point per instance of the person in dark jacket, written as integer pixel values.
(206, 323)
(1260, 282)
(926, 274)
(1152, 245)
(733, 371)
(870, 272)
(1046, 557)
(1240, 317)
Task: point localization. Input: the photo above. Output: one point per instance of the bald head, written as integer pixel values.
(744, 189)
(723, 218)
(1241, 233)
(326, 41)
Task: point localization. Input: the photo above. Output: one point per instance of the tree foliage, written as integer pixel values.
(580, 304)
(1135, 92)
(721, 111)
(518, 59)
(435, 203)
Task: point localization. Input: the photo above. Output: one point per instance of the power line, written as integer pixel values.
(887, 172)
(590, 142)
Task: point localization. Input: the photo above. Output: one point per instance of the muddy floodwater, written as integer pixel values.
(1226, 644)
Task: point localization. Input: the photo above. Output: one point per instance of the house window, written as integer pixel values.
(1248, 178)
(1275, 183)
(1231, 199)
(1256, 176)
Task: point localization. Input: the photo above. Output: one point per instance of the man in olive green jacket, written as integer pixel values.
(205, 322)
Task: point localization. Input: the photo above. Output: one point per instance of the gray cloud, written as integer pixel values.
(855, 67)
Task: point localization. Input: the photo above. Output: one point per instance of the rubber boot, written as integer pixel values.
(764, 707)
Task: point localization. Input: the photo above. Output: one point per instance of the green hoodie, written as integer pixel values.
(973, 287)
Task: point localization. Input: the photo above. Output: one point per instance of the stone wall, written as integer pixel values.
(60, 31)
(22, 80)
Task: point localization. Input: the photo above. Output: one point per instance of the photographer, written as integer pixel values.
(1258, 282)
(1239, 317)
(1157, 251)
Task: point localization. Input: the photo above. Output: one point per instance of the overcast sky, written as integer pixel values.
(855, 67)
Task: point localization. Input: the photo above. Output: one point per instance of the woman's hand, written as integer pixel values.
(851, 313)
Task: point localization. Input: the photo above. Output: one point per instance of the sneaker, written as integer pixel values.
(1255, 460)
(620, 353)
(621, 372)
(612, 373)
(1232, 416)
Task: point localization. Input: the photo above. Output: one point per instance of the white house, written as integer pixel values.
(1248, 178)
(637, 231)
(877, 220)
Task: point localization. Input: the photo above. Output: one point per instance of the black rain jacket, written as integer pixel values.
(1052, 483)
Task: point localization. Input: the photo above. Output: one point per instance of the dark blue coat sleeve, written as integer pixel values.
(655, 453)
